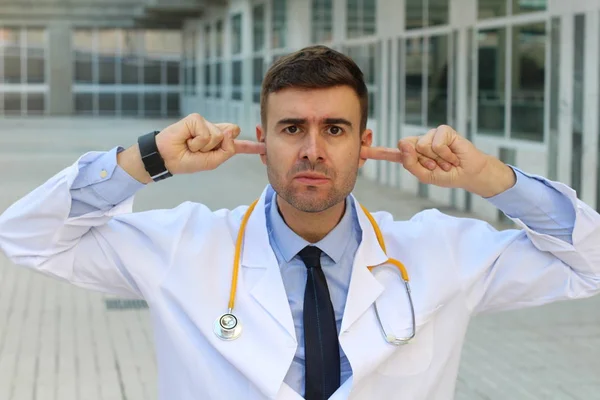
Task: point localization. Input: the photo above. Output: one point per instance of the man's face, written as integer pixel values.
(313, 143)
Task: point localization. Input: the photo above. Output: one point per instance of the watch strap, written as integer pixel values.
(153, 161)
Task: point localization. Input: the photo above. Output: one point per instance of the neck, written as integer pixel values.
(312, 227)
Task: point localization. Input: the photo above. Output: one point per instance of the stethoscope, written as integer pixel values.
(228, 326)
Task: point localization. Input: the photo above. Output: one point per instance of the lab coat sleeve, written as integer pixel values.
(517, 268)
(111, 250)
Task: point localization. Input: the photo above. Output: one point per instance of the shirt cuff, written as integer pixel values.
(107, 179)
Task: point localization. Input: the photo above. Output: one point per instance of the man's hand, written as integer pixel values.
(194, 144)
(191, 145)
(443, 158)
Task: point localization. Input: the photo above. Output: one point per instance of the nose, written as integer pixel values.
(312, 147)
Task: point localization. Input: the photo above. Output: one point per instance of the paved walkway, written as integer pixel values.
(58, 342)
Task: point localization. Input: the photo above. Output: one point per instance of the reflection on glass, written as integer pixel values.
(322, 21)
(257, 77)
(578, 102)
(369, 18)
(414, 14)
(236, 80)
(12, 103)
(491, 8)
(491, 84)
(35, 103)
(527, 6)
(11, 41)
(437, 110)
(258, 27)
(236, 34)
(152, 72)
(172, 73)
(414, 81)
(36, 56)
(279, 22)
(438, 12)
(353, 15)
(528, 81)
(554, 99)
(365, 56)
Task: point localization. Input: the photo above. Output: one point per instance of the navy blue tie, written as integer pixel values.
(321, 346)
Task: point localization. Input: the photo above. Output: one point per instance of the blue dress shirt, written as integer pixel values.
(101, 184)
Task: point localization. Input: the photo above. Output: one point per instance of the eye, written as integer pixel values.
(291, 129)
(335, 130)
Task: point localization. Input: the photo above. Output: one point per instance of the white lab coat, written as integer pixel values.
(180, 261)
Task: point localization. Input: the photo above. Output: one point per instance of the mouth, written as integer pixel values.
(312, 179)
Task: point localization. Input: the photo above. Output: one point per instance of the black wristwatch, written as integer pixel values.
(153, 162)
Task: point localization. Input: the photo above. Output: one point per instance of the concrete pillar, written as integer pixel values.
(60, 69)
(298, 24)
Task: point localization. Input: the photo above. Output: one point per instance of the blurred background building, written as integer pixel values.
(520, 78)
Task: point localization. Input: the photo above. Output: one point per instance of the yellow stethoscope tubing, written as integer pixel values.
(238, 253)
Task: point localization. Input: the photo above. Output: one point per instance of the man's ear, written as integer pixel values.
(260, 137)
(365, 141)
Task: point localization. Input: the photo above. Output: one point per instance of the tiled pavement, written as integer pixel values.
(58, 342)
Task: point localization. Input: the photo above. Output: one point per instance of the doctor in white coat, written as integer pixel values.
(316, 321)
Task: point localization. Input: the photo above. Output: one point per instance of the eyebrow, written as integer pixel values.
(303, 121)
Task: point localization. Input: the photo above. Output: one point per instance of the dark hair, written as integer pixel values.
(315, 67)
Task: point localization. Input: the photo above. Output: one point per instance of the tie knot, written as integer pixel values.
(311, 256)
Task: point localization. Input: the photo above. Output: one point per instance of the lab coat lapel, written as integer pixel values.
(360, 334)
(260, 262)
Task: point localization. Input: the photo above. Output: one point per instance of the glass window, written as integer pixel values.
(107, 53)
(83, 49)
(279, 23)
(437, 97)
(414, 14)
(258, 27)
(361, 18)
(173, 72)
(491, 8)
(84, 103)
(12, 103)
(236, 80)
(36, 63)
(257, 77)
(322, 20)
(528, 81)
(130, 104)
(131, 62)
(207, 46)
(152, 104)
(12, 55)
(35, 103)
(527, 6)
(107, 103)
(173, 105)
(414, 81)
(218, 80)
(554, 99)
(219, 39)
(438, 12)
(578, 102)
(491, 96)
(366, 57)
(236, 34)
(207, 80)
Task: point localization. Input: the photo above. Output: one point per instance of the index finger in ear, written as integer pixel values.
(249, 147)
(227, 127)
(381, 153)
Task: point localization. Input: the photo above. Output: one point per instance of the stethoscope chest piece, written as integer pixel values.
(228, 327)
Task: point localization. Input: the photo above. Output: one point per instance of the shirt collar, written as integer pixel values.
(289, 243)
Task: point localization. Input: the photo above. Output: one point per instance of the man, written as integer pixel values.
(312, 313)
